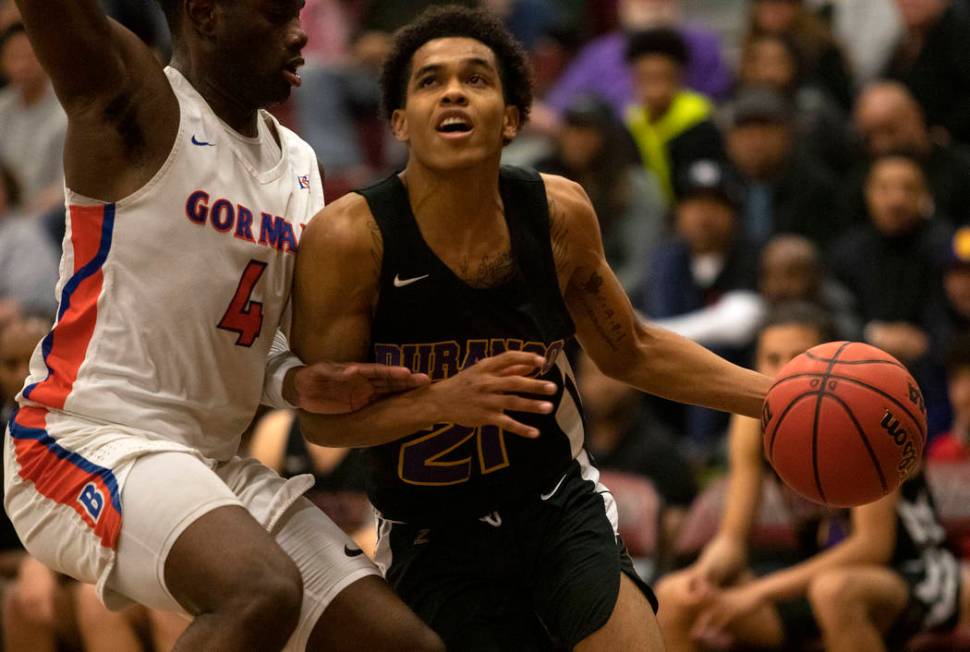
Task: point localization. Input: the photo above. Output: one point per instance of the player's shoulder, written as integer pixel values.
(568, 201)
(345, 225)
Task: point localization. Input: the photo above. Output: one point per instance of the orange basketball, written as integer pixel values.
(844, 424)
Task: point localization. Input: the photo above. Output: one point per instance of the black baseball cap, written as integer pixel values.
(759, 106)
(710, 178)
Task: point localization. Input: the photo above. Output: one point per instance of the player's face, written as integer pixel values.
(656, 79)
(897, 196)
(778, 345)
(262, 41)
(455, 115)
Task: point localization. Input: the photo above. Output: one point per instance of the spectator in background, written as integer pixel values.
(594, 149)
(671, 125)
(888, 119)
(956, 284)
(823, 61)
(28, 262)
(774, 61)
(601, 67)
(954, 445)
(891, 264)
(931, 60)
(32, 124)
(621, 436)
(791, 270)
(786, 189)
(701, 284)
(868, 30)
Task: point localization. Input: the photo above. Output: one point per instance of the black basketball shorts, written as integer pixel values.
(543, 574)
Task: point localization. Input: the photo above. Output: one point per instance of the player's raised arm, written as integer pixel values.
(335, 293)
(122, 114)
(623, 346)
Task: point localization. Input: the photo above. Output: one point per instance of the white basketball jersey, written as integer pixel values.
(170, 298)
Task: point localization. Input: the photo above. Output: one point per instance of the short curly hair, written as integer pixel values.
(457, 21)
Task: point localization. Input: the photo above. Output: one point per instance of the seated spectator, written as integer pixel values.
(671, 125)
(32, 124)
(774, 61)
(956, 284)
(891, 264)
(954, 445)
(931, 60)
(786, 189)
(621, 436)
(594, 149)
(701, 284)
(824, 64)
(856, 584)
(600, 68)
(339, 478)
(888, 119)
(791, 270)
(28, 263)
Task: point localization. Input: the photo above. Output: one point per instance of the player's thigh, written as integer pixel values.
(632, 625)
(367, 615)
(187, 543)
(880, 591)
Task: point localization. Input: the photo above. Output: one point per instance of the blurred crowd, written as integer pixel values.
(741, 155)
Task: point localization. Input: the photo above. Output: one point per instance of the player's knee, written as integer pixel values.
(671, 592)
(830, 594)
(274, 596)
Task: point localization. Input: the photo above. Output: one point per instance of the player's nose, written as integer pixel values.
(296, 38)
(454, 94)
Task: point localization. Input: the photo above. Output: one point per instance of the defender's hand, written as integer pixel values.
(482, 394)
(334, 388)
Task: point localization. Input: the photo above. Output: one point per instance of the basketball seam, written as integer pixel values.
(818, 409)
(791, 405)
(893, 363)
(865, 440)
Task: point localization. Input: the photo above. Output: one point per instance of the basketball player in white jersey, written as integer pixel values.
(186, 203)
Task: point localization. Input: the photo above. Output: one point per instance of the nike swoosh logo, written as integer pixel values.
(200, 143)
(400, 283)
(352, 552)
(552, 493)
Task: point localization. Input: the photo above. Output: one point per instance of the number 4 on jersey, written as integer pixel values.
(245, 316)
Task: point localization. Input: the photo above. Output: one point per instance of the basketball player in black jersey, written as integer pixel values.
(499, 541)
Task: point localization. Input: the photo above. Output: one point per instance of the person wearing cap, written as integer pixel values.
(595, 150)
(786, 189)
(701, 282)
(671, 125)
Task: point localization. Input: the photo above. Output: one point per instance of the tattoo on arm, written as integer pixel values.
(599, 312)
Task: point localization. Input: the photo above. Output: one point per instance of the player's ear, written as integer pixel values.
(201, 15)
(399, 126)
(511, 123)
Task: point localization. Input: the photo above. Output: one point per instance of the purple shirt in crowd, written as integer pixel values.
(601, 68)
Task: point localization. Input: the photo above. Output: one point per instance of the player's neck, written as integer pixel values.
(227, 105)
(437, 198)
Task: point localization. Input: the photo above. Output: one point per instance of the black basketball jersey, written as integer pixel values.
(430, 320)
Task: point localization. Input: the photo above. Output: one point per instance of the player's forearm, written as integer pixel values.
(665, 364)
(378, 423)
(73, 40)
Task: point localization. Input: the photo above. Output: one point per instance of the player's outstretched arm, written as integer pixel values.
(624, 347)
(122, 113)
(335, 294)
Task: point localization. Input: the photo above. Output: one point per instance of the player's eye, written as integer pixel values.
(424, 82)
(477, 80)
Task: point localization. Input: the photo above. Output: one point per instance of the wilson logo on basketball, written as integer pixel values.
(916, 398)
(902, 439)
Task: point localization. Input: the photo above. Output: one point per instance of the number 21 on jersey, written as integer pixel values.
(443, 458)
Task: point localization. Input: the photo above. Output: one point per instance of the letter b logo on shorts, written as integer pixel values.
(92, 500)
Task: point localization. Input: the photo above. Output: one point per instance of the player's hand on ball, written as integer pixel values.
(484, 393)
(333, 388)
